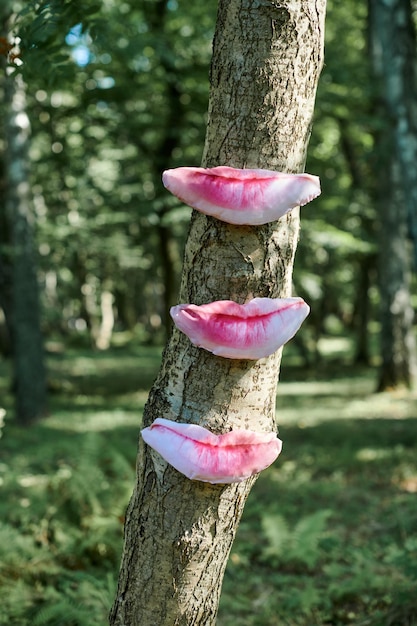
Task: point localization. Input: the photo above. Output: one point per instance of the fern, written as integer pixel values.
(22, 545)
(306, 538)
(78, 600)
(300, 545)
(64, 613)
(276, 530)
(15, 598)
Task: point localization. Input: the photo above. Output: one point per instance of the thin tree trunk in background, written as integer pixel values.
(394, 59)
(397, 341)
(362, 312)
(170, 275)
(169, 253)
(5, 244)
(364, 262)
(29, 370)
(178, 533)
(5, 267)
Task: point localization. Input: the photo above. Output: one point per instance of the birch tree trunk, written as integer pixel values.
(178, 534)
(394, 62)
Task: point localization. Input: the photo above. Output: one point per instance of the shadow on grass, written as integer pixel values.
(109, 373)
(328, 536)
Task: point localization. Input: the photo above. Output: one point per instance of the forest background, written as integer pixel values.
(114, 93)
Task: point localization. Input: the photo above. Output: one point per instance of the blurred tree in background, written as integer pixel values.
(132, 100)
(336, 258)
(20, 299)
(394, 60)
(117, 92)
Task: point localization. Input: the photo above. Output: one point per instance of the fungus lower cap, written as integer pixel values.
(241, 331)
(201, 455)
(241, 196)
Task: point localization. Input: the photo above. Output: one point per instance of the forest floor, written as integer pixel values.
(329, 532)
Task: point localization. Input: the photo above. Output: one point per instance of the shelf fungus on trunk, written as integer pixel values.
(201, 455)
(241, 331)
(241, 196)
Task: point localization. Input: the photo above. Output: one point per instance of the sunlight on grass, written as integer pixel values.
(372, 454)
(332, 346)
(340, 387)
(97, 421)
(328, 535)
(311, 402)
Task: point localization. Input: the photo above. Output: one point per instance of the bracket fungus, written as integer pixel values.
(241, 331)
(201, 455)
(241, 196)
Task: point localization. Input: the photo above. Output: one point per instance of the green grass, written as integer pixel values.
(329, 533)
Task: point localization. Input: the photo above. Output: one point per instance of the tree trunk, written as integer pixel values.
(362, 310)
(394, 53)
(397, 342)
(5, 236)
(364, 262)
(394, 60)
(29, 371)
(5, 266)
(178, 534)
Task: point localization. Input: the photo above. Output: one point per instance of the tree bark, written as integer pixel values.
(394, 53)
(29, 370)
(5, 236)
(397, 342)
(5, 267)
(394, 59)
(178, 534)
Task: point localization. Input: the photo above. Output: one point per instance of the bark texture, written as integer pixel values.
(265, 68)
(394, 61)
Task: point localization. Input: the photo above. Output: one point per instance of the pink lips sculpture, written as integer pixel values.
(200, 455)
(241, 196)
(241, 331)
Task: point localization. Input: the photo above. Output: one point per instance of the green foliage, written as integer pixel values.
(335, 267)
(64, 489)
(40, 28)
(105, 126)
(294, 547)
(328, 535)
